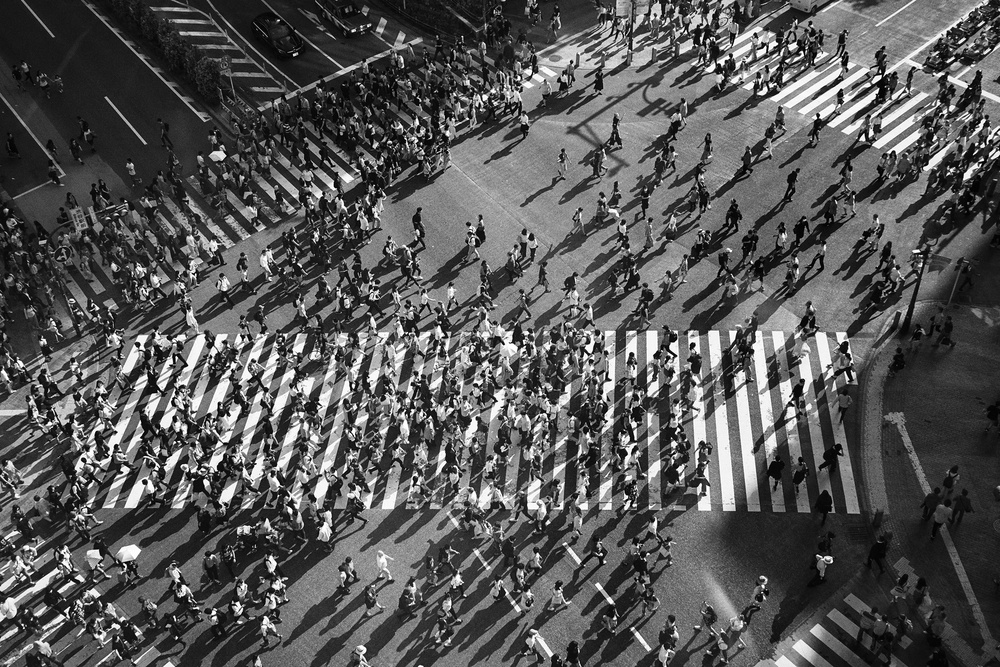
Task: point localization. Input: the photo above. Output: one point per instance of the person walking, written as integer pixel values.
(562, 164)
(223, 285)
(930, 503)
(792, 179)
(962, 505)
(817, 125)
(950, 480)
(382, 563)
(942, 513)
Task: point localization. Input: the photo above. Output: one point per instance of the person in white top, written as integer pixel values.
(558, 600)
(382, 563)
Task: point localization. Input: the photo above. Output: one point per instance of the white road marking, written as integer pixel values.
(187, 102)
(28, 129)
(26, 6)
(125, 120)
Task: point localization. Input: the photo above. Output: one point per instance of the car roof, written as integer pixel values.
(268, 17)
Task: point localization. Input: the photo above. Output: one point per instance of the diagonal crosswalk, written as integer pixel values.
(742, 414)
(832, 642)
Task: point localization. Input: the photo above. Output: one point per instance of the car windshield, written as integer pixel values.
(349, 10)
(279, 32)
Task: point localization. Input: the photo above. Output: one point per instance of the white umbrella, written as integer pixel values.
(8, 608)
(128, 553)
(94, 557)
(218, 156)
(509, 350)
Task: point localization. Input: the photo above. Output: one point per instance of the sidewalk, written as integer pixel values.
(921, 422)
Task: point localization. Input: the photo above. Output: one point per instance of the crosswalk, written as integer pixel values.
(745, 421)
(832, 641)
(809, 91)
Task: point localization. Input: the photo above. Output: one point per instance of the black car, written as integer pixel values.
(345, 15)
(275, 31)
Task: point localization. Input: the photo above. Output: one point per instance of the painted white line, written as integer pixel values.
(830, 6)
(326, 79)
(545, 647)
(193, 21)
(962, 84)
(642, 641)
(37, 187)
(894, 13)
(307, 40)
(474, 549)
(572, 554)
(202, 33)
(11, 413)
(125, 120)
(600, 589)
(187, 102)
(382, 23)
(28, 129)
(25, 3)
(252, 47)
(899, 419)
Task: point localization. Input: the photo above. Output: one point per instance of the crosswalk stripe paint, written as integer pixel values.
(830, 96)
(826, 79)
(746, 445)
(652, 435)
(722, 452)
(905, 124)
(728, 416)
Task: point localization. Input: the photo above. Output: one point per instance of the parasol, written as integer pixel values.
(128, 553)
(217, 156)
(509, 350)
(94, 557)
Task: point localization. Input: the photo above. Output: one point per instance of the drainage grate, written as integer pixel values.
(858, 534)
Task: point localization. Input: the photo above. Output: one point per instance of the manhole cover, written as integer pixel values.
(555, 57)
(996, 525)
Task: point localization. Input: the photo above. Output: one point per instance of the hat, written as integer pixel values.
(532, 633)
(762, 580)
(360, 649)
(828, 560)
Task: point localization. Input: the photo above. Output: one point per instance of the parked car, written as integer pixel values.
(278, 34)
(345, 15)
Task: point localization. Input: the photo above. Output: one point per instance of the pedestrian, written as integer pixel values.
(930, 503)
(371, 599)
(774, 470)
(942, 513)
(824, 505)
(382, 564)
(817, 125)
(792, 179)
(950, 480)
(533, 645)
(708, 618)
(962, 505)
(223, 285)
(877, 553)
(562, 164)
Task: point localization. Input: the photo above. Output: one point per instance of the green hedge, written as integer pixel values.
(180, 56)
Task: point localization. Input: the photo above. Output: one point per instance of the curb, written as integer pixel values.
(872, 380)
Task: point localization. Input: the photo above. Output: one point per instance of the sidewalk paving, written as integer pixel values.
(921, 422)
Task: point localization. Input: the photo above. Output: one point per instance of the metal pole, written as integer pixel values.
(954, 286)
(908, 319)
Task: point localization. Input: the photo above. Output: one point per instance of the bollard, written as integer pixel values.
(878, 519)
(628, 57)
(578, 59)
(603, 60)
(652, 57)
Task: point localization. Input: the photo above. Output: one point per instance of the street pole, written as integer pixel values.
(924, 255)
(958, 274)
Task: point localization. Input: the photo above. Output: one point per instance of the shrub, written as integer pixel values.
(208, 78)
(150, 25)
